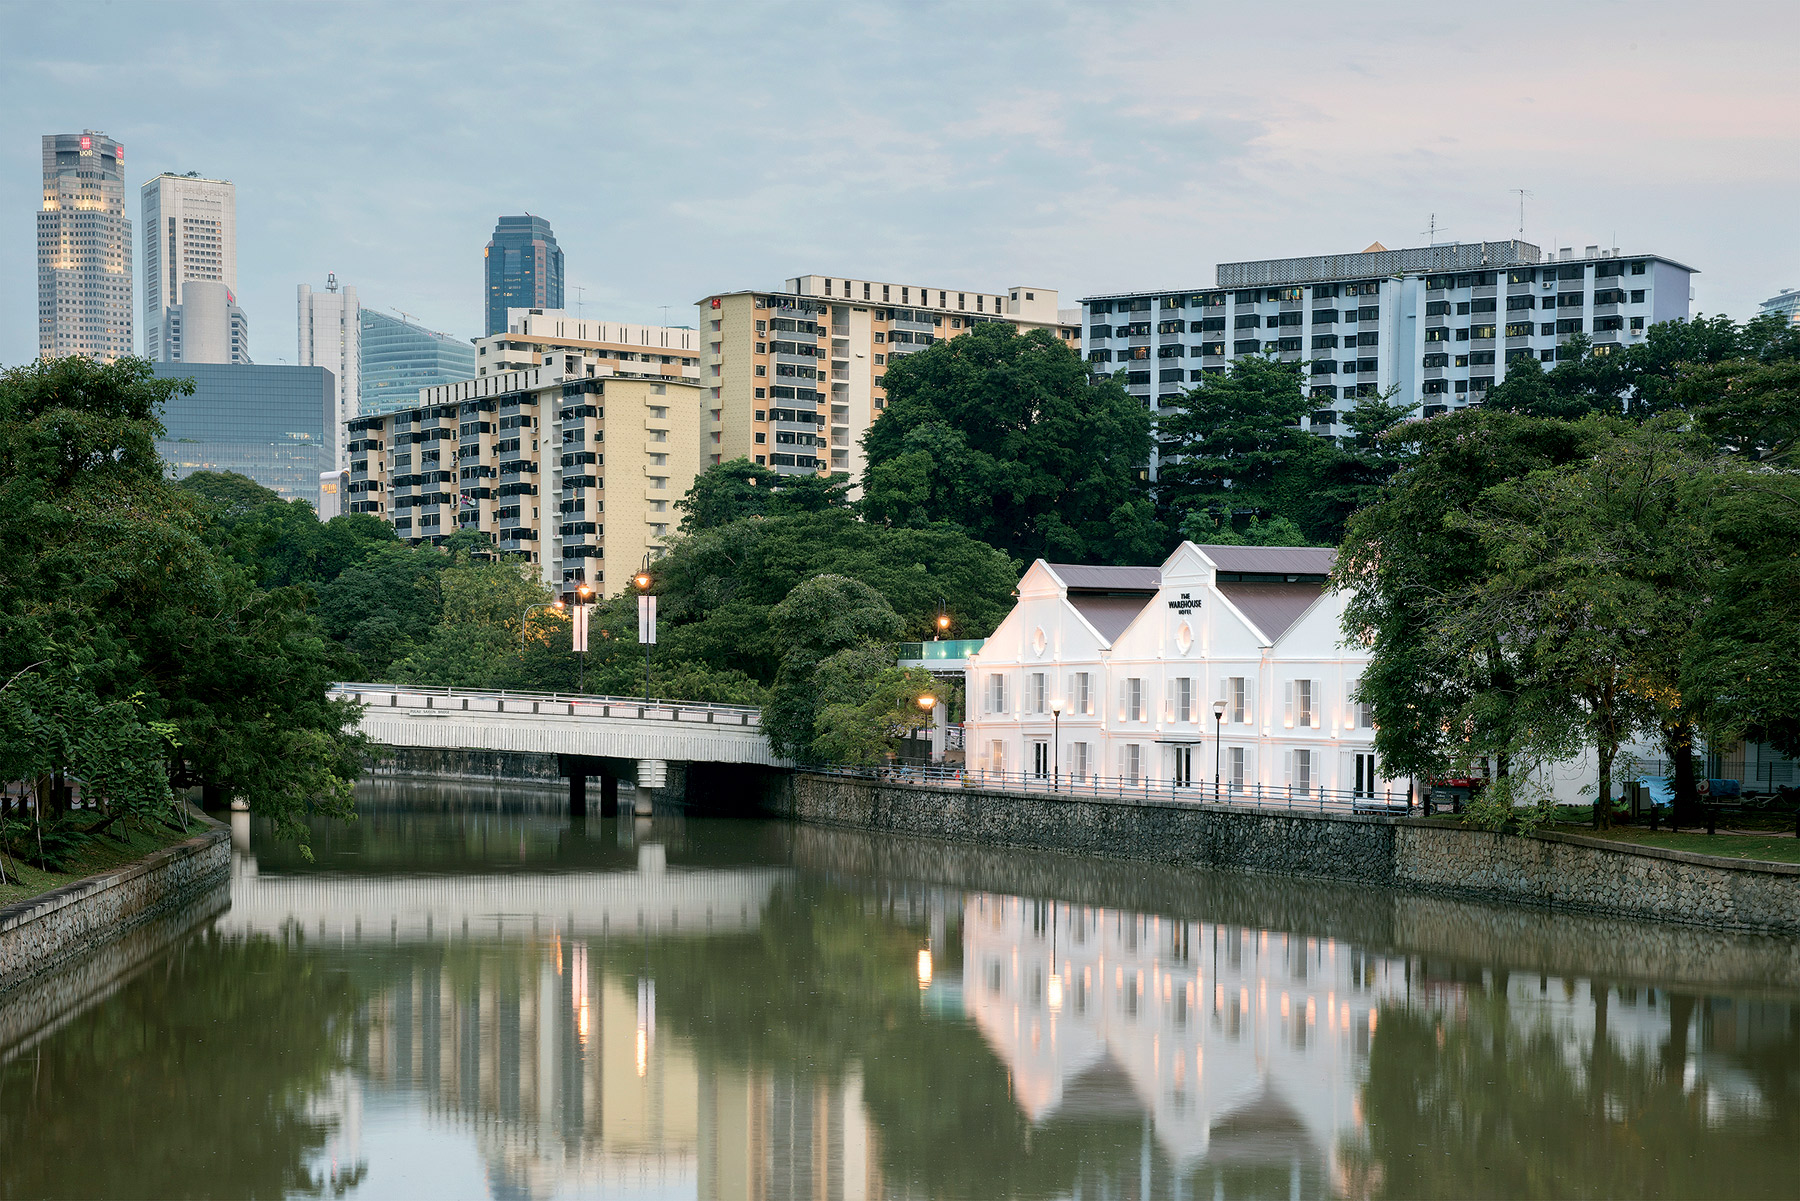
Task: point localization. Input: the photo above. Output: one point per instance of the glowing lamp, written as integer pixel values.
(924, 967)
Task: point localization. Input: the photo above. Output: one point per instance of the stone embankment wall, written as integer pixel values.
(42, 933)
(1558, 871)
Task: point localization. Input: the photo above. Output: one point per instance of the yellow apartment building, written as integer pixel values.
(534, 336)
(793, 378)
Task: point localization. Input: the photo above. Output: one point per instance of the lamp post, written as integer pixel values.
(943, 623)
(582, 592)
(529, 610)
(927, 703)
(1056, 708)
(642, 580)
(1218, 742)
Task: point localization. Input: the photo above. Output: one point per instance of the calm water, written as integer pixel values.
(497, 1002)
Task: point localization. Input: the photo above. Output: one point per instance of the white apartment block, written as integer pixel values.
(1438, 323)
(190, 234)
(330, 336)
(1136, 657)
(794, 376)
(84, 249)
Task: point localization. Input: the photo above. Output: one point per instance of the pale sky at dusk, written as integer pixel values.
(682, 149)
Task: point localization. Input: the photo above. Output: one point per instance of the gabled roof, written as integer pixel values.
(1284, 560)
(1272, 608)
(1084, 577)
(1109, 615)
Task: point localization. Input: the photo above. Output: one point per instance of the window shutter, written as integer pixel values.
(1318, 704)
(1169, 698)
(1087, 693)
(1249, 702)
(1350, 705)
(1124, 695)
(1288, 692)
(1287, 767)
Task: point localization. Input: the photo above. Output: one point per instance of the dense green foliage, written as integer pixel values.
(1012, 438)
(135, 654)
(1539, 578)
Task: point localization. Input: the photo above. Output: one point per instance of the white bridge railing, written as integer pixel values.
(420, 701)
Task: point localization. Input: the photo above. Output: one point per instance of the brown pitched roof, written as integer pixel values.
(1272, 607)
(1089, 578)
(1109, 614)
(1286, 560)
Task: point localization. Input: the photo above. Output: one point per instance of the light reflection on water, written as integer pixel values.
(480, 998)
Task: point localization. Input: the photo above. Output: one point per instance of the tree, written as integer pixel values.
(1012, 438)
(1408, 559)
(115, 604)
(818, 618)
(1234, 450)
(740, 489)
(866, 703)
(282, 542)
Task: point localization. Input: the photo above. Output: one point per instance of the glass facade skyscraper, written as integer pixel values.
(277, 424)
(524, 269)
(398, 358)
(84, 249)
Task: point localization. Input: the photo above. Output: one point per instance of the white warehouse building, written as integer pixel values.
(1224, 662)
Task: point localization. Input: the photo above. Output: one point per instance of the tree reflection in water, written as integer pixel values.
(743, 1010)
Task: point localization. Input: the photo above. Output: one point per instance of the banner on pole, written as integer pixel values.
(647, 620)
(578, 624)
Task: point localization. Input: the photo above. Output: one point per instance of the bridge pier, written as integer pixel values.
(578, 793)
(609, 796)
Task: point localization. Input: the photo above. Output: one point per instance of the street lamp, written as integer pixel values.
(943, 623)
(1218, 742)
(1056, 707)
(529, 609)
(582, 592)
(642, 580)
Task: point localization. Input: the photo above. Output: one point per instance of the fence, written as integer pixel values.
(1293, 798)
(583, 704)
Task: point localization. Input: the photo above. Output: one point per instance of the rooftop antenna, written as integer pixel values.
(1523, 194)
(331, 281)
(665, 310)
(578, 291)
(1431, 231)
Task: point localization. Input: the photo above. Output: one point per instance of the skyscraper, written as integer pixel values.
(190, 234)
(330, 336)
(524, 269)
(398, 358)
(84, 249)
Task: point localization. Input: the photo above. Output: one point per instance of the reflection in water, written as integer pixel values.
(503, 1003)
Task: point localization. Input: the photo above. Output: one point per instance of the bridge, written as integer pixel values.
(607, 736)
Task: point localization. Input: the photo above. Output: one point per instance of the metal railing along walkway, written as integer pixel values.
(1294, 799)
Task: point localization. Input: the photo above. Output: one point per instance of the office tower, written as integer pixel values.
(276, 425)
(206, 327)
(330, 336)
(84, 249)
(534, 337)
(793, 376)
(1440, 323)
(398, 358)
(190, 235)
(524, 269)
(1786, 306)
(523, 457)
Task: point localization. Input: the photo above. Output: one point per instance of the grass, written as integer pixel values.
(100, 853)
(1770, 848)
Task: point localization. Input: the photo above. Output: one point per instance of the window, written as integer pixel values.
(1211, 325)
(1638, 268)
(1605, 323)
(1245, 346)
(1301, 710)
(1324, 367)
(1078, 760)
(1514, 303)
(1436, 360)
(1184, 767)
(1300, 771)
(1637, 325)
(1131, 762)
(1132, 700)
(1637, 296)
(1609, 296)
(1365, 774)
(1290, 318)
(1040, 760)
(1368, 312)
(996, 749)
(1437, 308)
(1485, 305)
(1548, 327)
(1570, 300)
(1248, 321)
(1435, 387)
(1039, 694)
(1235, 696)
(1184, 699)
(1324, 341)
(1570, 325)
(1081, 699)
(996, 693)
(1234, 768)
(1522, 275)
(1518, 329)
(1325, 316)
(1439, 334)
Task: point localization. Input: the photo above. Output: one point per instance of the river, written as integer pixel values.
(467, 994)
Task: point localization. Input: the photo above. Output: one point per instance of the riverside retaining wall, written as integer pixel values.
(45, 932)
(1553, 870)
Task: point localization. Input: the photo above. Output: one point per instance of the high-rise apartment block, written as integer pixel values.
(1438, 323)
(190, 238)
(524, 269)
(398, 358)
(84, 249)
(330, 336)
(534, 337)
(1785, 305)
(572, 464)
(794, 377)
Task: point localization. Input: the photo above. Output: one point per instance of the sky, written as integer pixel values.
(682, 149)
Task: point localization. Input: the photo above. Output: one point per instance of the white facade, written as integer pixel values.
(330, 336)
(1137, 658)
(206, 327)
(1439, 323)
(190, 233)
